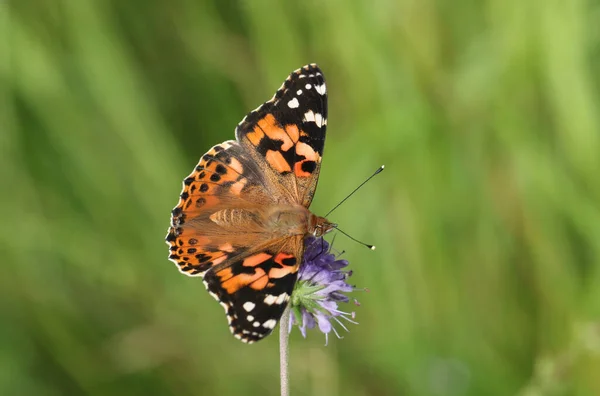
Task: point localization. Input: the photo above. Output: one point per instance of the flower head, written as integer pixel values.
(321, 286)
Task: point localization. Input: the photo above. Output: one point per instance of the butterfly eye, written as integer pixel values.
(318, 230)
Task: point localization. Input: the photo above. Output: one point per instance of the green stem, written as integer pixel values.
(284, 336)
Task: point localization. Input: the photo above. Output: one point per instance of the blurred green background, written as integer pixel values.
(486, 280)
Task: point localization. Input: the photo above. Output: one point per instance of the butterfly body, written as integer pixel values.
(243, 213)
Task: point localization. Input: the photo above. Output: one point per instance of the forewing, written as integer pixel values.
(286, 135)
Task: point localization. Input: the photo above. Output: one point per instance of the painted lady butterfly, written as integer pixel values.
(243, 213)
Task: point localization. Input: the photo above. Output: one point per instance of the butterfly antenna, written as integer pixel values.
(355, 190)
(372, 247)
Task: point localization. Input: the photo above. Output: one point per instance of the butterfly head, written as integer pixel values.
(320, 226)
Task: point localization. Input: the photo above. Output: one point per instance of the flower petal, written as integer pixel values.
(320, 288)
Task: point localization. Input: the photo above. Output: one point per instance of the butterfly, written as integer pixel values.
(243, 213)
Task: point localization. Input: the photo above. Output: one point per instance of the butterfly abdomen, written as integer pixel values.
(277, 220)
(234, 218)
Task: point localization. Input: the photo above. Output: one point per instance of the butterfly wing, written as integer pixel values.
(255, 290)
(275, 160)
(287, 133)
(226, 177)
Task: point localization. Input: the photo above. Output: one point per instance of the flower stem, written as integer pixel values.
(284, 335)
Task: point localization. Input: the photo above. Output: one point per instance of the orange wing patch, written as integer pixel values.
(306, 167)
(265, 269)
(256, 259)
(232, 283)
(288, 263)
(275, 158)
(269, 126)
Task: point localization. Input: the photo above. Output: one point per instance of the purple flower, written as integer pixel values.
(321, 286)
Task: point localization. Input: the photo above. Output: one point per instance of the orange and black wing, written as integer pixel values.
(255, 290)
(287, 133)
(226, 177)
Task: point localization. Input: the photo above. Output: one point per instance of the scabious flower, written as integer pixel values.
(320, 288)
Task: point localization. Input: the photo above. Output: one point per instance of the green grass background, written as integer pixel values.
(486, 280)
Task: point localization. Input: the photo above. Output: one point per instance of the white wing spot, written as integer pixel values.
(307, 86)
(256, 324)
(299, 92)
(250, 318)
(271, 299)
(321, 89)
(309, 116)
(249, 306)
(269, 324)
(282, 297)
(317, 118)
(293, 104)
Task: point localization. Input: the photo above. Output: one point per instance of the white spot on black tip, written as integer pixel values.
(281, 298)
(317, 118)
(249, 306)
(307, 86)
(293, 104)
(321, 89)
(270, 324)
